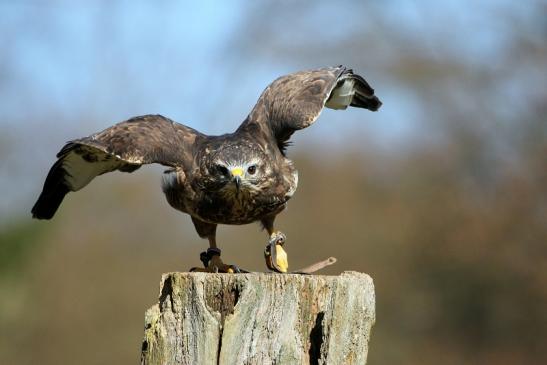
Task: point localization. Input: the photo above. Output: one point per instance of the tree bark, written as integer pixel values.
(260, 319)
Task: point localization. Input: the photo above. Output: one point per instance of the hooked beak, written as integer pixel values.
(237, 173)
(237, 181)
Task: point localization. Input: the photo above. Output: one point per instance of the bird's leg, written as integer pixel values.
(211, 258)
(275, 255)
(215, 263)
(212, 262)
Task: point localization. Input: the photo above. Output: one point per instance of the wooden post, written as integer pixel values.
(260, 319)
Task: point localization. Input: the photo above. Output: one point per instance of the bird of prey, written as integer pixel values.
(235, 178)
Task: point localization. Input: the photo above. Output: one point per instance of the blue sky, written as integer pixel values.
(70, 54)
(112, 60)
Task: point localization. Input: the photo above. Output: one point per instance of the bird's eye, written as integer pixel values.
(222, 169)
(252, 169)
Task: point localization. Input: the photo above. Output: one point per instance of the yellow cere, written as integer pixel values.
(238, 171)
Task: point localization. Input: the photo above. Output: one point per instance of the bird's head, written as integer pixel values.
(239, 175)
(239, 169)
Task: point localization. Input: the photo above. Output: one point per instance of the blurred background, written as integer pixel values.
(441, 196)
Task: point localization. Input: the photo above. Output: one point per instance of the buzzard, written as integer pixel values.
(234, 178)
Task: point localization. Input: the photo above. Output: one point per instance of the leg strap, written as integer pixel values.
(206, 256)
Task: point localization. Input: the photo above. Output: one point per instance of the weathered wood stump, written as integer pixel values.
(260, 319)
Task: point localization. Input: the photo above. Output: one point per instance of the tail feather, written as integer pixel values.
(53, 193)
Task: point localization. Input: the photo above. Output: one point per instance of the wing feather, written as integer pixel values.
(295, 101)
(125, 147)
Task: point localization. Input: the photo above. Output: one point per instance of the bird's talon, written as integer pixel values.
(213, 263)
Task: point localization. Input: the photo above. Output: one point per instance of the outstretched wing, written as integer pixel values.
(294, 101)
(125, 147)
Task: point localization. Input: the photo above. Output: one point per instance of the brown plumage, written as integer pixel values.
(235, 178)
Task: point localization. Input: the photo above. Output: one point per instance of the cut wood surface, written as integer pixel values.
(260, 318)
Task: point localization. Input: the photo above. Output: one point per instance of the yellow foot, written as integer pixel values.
(275, 255)
(213, 263)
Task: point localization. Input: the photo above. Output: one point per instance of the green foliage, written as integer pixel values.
(17, 242)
